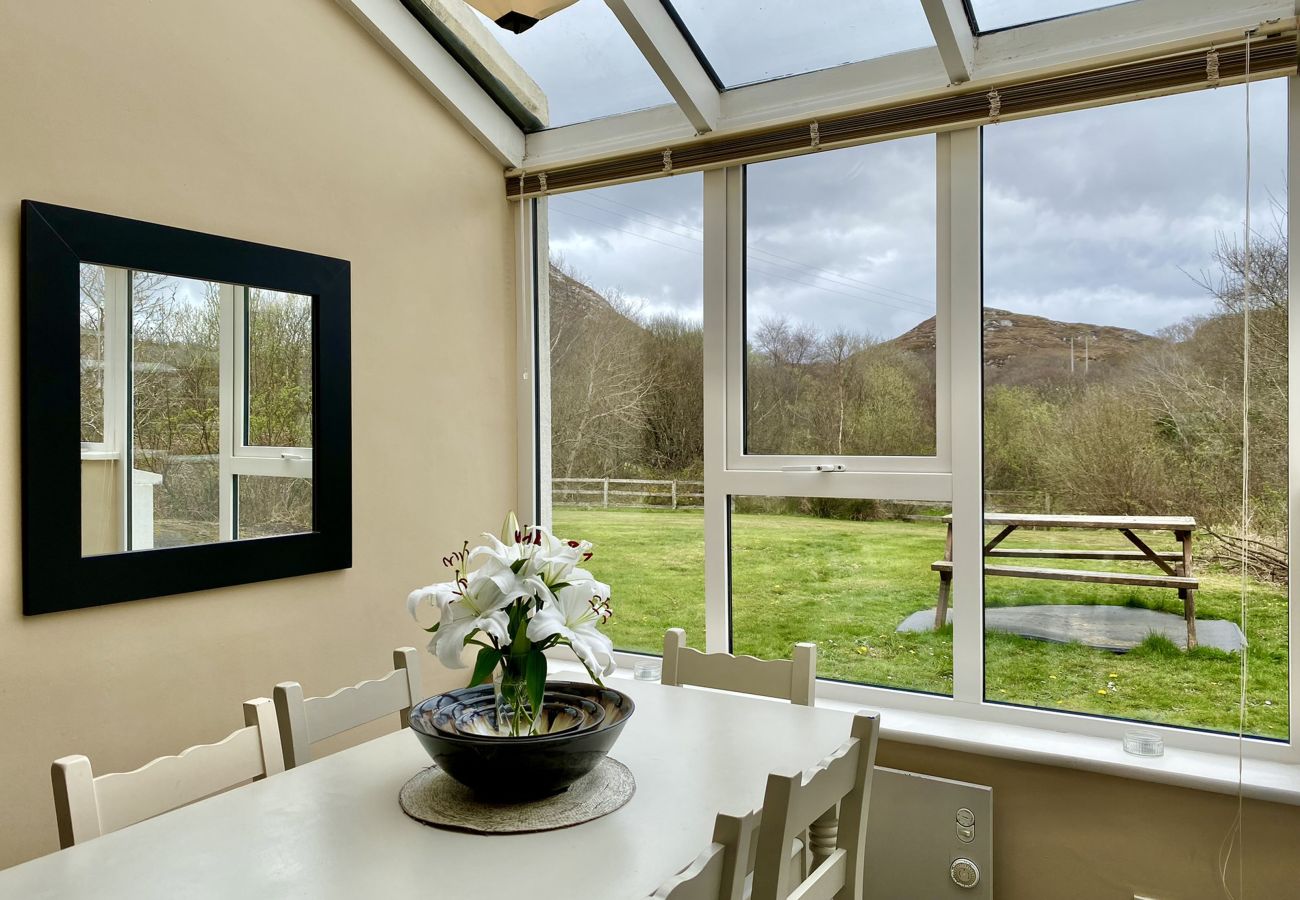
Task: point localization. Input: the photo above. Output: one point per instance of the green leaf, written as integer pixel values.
(516, 566)
(433, 629)
(488, 659)
(535, 672)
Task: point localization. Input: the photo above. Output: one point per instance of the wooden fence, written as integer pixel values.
(614, 492)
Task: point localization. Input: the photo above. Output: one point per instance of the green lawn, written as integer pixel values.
(847, 585)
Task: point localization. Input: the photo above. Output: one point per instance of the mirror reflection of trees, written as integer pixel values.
(175, 383)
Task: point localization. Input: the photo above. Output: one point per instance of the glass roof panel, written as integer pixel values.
(991, 15)
(585, 63)
(757, 40)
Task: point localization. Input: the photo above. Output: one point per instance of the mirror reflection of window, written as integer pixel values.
(206, 389)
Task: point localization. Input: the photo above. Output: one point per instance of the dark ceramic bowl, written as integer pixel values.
(561, 713)
(476, 716)
(518, 769)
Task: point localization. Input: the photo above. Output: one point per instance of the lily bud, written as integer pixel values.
(510, 530)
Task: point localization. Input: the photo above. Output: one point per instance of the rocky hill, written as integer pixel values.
(1020, 348)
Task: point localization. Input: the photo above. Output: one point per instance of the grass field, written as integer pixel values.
(847, 586)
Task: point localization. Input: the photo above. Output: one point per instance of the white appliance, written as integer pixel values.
(928, 838)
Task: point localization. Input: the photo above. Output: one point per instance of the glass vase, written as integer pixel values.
(515, 714)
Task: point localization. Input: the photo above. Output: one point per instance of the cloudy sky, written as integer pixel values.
(1098, 216)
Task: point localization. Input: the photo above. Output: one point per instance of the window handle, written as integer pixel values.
(819, 467)
(290, 456)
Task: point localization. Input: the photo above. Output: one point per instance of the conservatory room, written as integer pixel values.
(630, 449)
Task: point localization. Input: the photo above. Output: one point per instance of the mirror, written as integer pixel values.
(206, 388)
(209, 385)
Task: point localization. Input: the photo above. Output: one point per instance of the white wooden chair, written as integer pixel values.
(304, 722)
(802, 801)
(719, 872)
(794, 680)
(87, 806)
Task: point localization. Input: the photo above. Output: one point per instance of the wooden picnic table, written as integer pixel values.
(1175, 566)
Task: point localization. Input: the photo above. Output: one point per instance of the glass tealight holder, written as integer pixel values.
(1144, 743)
(647, 670)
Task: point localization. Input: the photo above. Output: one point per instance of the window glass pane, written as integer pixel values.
(994, 14)
(585, 63)
(747, 42)
(271, 505)
(840, 302)
(626, 397)
(1113, 339)
(92, 353)
(175, 427)
(854, 576)
(279, 369)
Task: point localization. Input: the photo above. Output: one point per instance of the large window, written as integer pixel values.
(624, 339)
(840, 302)
(1113, 349)
(966, 410)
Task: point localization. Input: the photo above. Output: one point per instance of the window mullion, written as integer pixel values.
(232, 386)
(960, 286)
(723, 261)
(116, 398)
(1293, 405)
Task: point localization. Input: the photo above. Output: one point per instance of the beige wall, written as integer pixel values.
(1061, 834)
(280, 122)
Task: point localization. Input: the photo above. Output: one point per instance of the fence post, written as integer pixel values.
(604, 488)
(674, 494)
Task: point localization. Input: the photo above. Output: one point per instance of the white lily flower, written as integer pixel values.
(435, 594)
(573, 613)
(460, 619)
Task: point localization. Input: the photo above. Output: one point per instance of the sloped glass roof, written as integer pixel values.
(747, 41)
(585, 63)
(990, 15)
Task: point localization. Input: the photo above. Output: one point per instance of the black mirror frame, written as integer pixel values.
(56, 241)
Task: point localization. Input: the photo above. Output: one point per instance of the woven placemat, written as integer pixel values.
(435, 798)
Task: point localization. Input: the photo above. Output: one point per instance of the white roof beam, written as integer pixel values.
(398, 32)
(664, 46)
(1102, 37)
(953, 37)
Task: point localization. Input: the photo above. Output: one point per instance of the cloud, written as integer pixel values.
(1101, 216)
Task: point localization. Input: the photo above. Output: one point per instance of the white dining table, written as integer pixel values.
(333, 829)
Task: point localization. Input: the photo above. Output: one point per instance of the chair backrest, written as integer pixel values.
(794, 680)
(794, 802)
(304, 722)
(719, 872)
(87, 806)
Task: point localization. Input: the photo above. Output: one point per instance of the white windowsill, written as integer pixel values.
(1215, 772)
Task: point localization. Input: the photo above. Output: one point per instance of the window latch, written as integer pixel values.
(290, 456)
(819, 467)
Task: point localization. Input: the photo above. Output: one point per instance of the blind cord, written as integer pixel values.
(1235, 839)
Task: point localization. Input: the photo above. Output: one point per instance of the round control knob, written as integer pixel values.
(965, 873)
(965, 818)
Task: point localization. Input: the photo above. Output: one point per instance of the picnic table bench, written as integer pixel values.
(1175, 566)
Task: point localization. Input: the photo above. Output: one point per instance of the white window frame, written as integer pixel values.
(861, 472)
(1055, 735)
(235, 457)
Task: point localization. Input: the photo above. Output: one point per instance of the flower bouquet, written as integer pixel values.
(515, 597)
